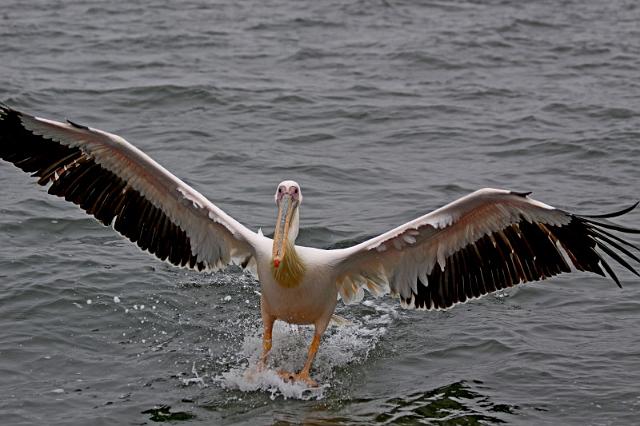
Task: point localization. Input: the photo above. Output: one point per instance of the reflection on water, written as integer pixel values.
(163, 413)
(459, 403)
(456, 403)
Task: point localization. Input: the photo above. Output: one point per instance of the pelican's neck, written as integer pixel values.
(294, 227)
(290, 271)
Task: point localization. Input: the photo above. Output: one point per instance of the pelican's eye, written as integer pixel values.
(295, 190)
(280, 190)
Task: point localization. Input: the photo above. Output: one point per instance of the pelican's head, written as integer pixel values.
(288, 198)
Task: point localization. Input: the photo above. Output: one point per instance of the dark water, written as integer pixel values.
(382, 110)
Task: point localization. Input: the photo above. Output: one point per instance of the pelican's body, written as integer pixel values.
(312, 301)
(482, 242)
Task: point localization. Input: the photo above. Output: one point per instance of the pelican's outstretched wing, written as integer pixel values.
(121, 186)
(486, 241)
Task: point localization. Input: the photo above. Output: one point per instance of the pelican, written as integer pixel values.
(483, 242)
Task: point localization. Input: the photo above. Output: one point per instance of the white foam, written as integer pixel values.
(194, 380)
(253, 379)
(342, 345)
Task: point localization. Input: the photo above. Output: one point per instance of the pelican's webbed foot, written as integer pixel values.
(302, 376)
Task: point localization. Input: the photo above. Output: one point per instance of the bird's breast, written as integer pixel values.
(313, 297)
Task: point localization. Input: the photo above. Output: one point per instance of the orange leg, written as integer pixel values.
(266, 341)
(304, 374)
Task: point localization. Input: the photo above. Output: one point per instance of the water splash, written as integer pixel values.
(252, 379)
(344, 344)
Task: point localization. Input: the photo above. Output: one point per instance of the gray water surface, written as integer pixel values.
(382, 111)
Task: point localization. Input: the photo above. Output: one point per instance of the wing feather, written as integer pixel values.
(121, 186)
(481, 243)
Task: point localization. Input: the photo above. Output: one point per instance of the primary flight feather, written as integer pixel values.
(488, 240)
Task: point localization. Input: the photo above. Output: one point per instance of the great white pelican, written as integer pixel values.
(486, 241)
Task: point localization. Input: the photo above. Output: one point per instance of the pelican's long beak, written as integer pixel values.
(286, 208)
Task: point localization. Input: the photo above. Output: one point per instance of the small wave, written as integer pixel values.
(536, 23)
(484, 93)
(292, 99)
(307, 137)
(291, 24)
(307, 53)
(147, 94)
(418, 57)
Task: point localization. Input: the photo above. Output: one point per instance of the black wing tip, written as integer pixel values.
(78, 126)
(597, 229)
(521, 194)
(610, 272)
(612, 214)
(610, 225)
